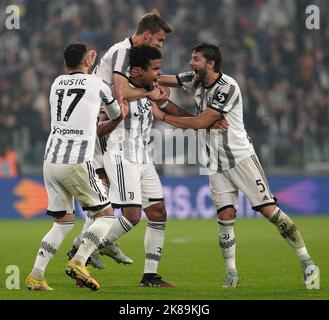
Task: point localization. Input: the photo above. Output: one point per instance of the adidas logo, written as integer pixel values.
(41, 254)
(266, 198)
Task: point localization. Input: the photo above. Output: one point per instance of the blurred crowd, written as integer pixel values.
(281, 66)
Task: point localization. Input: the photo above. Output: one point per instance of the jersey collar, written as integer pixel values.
(74, 72)
(212, 84)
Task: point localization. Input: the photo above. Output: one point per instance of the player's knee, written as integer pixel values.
(226, 213)
(156, 212)
(269, 210)
(106, 212)
(68, 217)
(133, 214)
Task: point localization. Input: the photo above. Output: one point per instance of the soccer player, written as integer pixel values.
(231, 159)
(114, 68)
(135, 184)
(75, 100)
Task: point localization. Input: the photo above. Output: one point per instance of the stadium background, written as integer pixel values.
(279, 64)
(282, 69)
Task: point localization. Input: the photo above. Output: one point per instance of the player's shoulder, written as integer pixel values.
(95, 80)
(126, 43)
(58, 78)
(122, 45)
(226, 80)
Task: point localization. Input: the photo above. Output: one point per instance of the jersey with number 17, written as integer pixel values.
(75, 101)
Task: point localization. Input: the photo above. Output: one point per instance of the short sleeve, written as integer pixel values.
(186, 80)
(121, 62)
(106, 93)
(224, 98)
(111, 107)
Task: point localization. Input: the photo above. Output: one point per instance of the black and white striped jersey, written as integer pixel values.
(115, 60)
(131, 138)
(220, 151)
(75, 101)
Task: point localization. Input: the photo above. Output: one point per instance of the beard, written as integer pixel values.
(201, 74)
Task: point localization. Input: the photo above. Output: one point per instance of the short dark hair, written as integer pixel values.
(74, 54)
(140, 56)
(211, 53)
(154, 22)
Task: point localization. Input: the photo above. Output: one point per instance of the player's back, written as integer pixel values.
(75, 100)
(115, 60)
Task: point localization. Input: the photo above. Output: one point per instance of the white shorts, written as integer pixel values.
(100, 148)
(247, 176)
(65, 181)
(132, 184)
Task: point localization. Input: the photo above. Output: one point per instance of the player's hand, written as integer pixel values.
(159, 94)
(222, 125)
(134, 72)
(123, 106)
(154, 94)
(156, 111)
(92, 54)
(164, 94)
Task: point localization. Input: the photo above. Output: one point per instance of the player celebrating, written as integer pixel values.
(114, 67)
(135, 185)
(75, 100)
(231, 159)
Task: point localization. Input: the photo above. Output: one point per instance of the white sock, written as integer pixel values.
(153, 245)
(49, 245)
(120, 227)
(289, 231)
(88, 222)
(227, 243)
(93, 238)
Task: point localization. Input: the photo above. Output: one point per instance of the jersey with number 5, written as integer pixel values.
(75, 101)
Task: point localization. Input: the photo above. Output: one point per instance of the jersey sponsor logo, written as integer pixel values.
(64, 132)
(141, 110)
(220, 99)
(131, 195)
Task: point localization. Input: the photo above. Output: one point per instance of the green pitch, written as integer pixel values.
(268, 267)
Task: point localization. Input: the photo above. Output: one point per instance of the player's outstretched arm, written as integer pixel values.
(123, 89)
(168, 81)
(107, 125)
(203, 121)
(175, 110)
